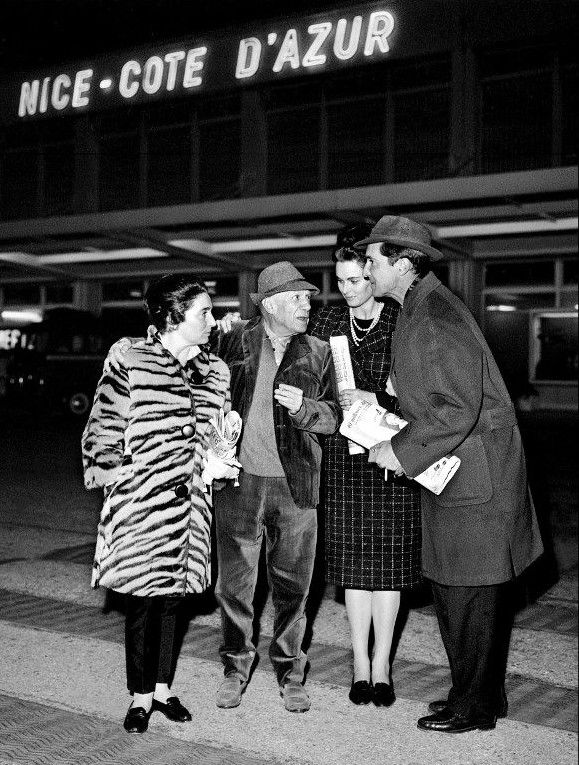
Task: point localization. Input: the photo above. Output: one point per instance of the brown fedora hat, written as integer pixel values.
(280, 277)
(403, 232)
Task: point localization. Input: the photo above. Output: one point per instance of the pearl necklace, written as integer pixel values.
(359, 333)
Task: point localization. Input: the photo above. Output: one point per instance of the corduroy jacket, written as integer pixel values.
(307, 364)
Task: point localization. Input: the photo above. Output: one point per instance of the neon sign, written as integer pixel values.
(217, 62)
(341, 40)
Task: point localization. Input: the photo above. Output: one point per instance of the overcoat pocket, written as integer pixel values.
(471, 484)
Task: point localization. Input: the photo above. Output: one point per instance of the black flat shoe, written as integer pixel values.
(173, 710)
(360, 692)
(449, 722)
(137, 720)
(383, 695)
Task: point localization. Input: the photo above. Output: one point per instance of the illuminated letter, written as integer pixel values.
(28, 98)
(173, 60)
(60, 100)
(44, 95)
(152, 74)
(380, 27)
(81, 86)
(128, 89)
(248, 57)
(288, 53)
(321, 32)
(191, 66)
(345, 53)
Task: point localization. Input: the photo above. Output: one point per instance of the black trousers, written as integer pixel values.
(150, 630)
(475, 625)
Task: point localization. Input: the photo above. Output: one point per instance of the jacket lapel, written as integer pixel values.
(251, 341)
(297, 348)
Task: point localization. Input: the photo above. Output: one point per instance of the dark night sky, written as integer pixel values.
(40, 32)
(36, 32)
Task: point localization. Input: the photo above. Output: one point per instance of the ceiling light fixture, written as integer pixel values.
(97, 257)
(261, 245)
(21, 316)
(504, 228)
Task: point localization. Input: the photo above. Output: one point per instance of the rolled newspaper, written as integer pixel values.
(369, 424)
(344, 375)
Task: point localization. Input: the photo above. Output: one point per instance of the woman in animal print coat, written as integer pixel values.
(144, 445)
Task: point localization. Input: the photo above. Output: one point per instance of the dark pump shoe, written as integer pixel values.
(449, 722)
(137, 720)
(173, 709)
(383, 695)
(361, 692)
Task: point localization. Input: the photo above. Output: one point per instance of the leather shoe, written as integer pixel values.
(136, 720)
(449, 722)
(438, 706)
(383, 695)
(172, 709)
(360, 692)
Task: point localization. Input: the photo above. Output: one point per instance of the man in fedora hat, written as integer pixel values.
(481, 531)
(282, 385)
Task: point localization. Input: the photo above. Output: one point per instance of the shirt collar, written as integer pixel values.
(278, 342)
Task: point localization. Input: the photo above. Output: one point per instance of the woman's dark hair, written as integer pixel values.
(169, 297)
(346, 240)
(421, 263)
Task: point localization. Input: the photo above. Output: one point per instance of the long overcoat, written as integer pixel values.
(144, 444)
(482, 529)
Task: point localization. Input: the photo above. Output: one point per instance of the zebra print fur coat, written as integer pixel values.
(144, 444)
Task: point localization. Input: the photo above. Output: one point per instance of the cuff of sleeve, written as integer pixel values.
(299, 416)
(100, 478)
(385, 400)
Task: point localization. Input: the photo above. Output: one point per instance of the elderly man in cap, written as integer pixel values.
(282, 385)
(481, 531)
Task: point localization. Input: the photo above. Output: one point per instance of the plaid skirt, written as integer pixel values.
(372, 526)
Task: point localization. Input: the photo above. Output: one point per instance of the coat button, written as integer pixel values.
(181, 491)
(187, 430)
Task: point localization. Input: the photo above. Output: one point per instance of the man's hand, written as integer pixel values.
(118, 350)
(383, 455)
(289, 397)
(349, 397)
(226, 323)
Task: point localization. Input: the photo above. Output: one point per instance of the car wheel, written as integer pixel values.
(78, 404)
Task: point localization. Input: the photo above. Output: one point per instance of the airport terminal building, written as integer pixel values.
(221, 150)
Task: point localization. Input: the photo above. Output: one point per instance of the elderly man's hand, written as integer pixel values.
(225, 324)
(383, 455)
(290, 397)
(119, 349)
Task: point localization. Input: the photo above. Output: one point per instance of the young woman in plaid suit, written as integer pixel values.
(372, 526)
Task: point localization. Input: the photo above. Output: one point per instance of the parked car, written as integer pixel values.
(60, 366)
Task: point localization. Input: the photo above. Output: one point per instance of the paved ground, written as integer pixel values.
(62, 694)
